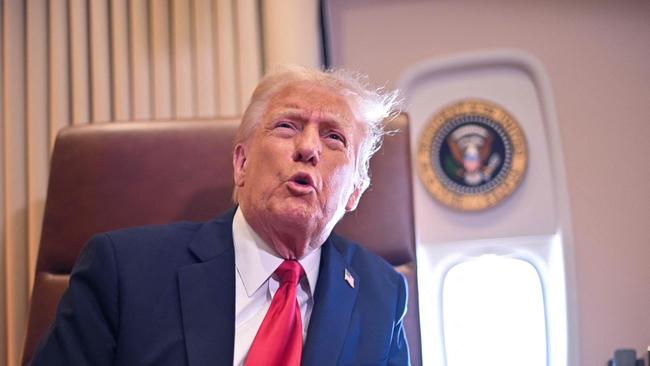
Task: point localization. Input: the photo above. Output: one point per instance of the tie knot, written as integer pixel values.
(290, 271)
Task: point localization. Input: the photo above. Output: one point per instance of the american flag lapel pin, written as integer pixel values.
(348, 278)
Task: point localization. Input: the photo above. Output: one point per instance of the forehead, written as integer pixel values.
(304, 98)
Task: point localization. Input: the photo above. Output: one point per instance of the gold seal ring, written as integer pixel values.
(472, 155)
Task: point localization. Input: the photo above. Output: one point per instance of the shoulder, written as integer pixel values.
(168, 245)
(139, 249)
(153, 234)
(145, 240)
(166, 237)
(368, 265)
(380, 304)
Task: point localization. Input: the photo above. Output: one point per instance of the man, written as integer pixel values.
(267, 283)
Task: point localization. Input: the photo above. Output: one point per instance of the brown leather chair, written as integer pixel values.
(108, 176)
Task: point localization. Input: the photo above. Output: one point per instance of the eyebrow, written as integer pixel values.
(293, 111)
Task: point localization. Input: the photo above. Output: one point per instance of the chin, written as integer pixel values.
(296, 215)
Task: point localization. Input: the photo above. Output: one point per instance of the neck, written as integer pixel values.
(288, 244)
(290, 240)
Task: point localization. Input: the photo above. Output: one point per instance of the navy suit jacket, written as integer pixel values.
(165, 295)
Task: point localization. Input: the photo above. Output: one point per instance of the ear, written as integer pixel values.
(353, 200)
(239, 164)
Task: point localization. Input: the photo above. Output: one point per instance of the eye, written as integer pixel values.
(285, 124)
(335, 136)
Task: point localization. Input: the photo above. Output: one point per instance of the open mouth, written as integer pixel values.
(301, 183)
(302, 179)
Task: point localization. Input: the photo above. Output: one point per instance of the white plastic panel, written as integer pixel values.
(531, 210)
(533, 224)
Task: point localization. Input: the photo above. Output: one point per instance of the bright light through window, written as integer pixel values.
(493, 313)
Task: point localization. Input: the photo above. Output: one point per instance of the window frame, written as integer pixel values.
(544, 252)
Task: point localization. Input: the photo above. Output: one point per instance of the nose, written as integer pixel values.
(308, 146)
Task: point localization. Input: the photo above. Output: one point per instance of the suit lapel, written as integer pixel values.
(333, 304)
(207, 293)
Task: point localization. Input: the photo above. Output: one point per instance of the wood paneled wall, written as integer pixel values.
(68, 62)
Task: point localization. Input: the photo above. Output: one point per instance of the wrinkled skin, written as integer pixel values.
(296, 173)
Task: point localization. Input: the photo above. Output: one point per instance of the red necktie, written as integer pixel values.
(278, 342)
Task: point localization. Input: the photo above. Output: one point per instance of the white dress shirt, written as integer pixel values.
(255, 262)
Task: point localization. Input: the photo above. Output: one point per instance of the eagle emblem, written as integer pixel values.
(472, 155)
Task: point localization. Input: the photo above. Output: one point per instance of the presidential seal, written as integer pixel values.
(472, 155)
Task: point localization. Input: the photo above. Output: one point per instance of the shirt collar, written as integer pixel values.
(256, 261)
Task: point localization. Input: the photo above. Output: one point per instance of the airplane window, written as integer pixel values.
(493, 313)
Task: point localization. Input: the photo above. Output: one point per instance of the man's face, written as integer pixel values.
(297, 171)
